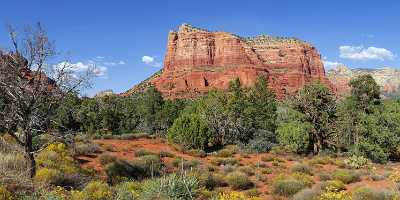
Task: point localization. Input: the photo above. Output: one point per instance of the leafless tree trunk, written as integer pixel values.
(31, 88)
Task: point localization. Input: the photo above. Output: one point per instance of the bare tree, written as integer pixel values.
(31, 88)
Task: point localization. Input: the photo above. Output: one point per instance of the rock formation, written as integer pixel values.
(198, 60)
(387, 78)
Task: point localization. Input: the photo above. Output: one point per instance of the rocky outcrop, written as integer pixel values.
(198, 60)
(387, 78)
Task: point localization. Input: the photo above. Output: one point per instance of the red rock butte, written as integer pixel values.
(198, 60)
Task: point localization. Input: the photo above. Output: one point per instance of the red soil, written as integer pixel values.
(125, 149)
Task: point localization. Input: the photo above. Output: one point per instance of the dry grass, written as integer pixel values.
(14, 170)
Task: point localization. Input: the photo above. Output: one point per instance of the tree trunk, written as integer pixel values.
(32, 164)
(316, 149)
(30, 154)
(317, 144)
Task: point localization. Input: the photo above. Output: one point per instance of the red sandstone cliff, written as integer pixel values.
(198, 60)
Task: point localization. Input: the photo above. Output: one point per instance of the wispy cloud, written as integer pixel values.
(330, 64)
(82, 67)
(106, 61)
(151, 61)
(363, 54)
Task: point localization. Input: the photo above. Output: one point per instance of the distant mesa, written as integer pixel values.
(104, 93)
(388, 78)
(198, 60)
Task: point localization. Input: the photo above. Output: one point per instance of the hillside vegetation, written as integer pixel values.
(237, 145)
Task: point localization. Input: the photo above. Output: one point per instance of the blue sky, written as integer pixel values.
(118, 34)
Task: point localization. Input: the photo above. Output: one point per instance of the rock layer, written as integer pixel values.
(198, 60)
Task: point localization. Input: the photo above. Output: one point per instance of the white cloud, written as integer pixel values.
(97, 66)
(113, 63)
(100, 71)
(82, 67)
(330, 65)
(363, 54)
(149, 60)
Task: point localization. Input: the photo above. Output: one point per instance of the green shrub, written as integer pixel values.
(141, 168)
(121, 168)
(302, 168)
(266, 171)
(143, 152)
(128, 191)
(287, 187)
(377, 177)
(307, 194)
(224, 161)
(324, 176)
(148, 166)
(191, 131)
(57, 193)
(164, 154)
(346, 176)
(212, 181)
(305, 178)
(367, 193)
(333, 185)
(356, 162)
(225, 153)
(239, 181)
(252, 192)
(97, 191)
(107, 158)
(234, 196)
(294, 136)
(321, 160)
(197, 153)
(247, 170)
(271, 158)
(174, 187)
(262, 141)
(86, 148)
(185, 164)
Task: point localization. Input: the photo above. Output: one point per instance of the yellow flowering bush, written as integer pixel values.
(235, 196)
(5, 194)
(47, 176)
(305, 178)
(56, 156)
(97, 190)
(333, 194)
(58, 193)
(395, 177)
(78, 195)
(128, 190)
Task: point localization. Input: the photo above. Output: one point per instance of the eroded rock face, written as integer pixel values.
(387, 78)
(198, 60)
